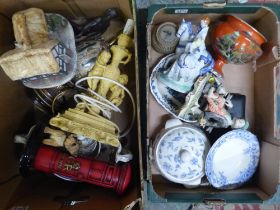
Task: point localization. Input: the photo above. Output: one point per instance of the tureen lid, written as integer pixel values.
(180, 153)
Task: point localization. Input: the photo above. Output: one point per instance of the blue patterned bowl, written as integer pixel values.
(233, 159)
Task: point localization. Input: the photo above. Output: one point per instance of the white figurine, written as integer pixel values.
(186, 35)
(195, 60)
(199, 41)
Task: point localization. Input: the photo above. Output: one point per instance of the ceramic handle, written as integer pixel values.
(184, 154)
(172, 122)
(193, 183)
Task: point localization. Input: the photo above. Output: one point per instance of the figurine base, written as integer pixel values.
(177, 86)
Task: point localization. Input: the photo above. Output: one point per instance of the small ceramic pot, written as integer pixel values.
(179, 153)
(236, 42)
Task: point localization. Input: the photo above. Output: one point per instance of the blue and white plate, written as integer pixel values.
(233, 159)
(180, 154)
(171, 100)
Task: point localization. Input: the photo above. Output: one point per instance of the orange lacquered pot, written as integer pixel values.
(236, 42)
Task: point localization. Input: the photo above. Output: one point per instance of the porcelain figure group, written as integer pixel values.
(192, 58)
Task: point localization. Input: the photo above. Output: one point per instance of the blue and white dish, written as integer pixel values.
(171, 100)
(180, 153)
(233, 159)
(65, 54)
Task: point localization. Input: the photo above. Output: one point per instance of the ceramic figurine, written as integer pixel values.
(186, 35)
(197, 61)
(199, 41)
(191, 108)
(189, 39)
(217, 103)
(216, 113)
(119, 55)
(235, 41)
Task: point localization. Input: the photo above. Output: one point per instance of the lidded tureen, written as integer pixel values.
(180, 150)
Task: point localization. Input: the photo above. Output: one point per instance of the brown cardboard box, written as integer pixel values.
(38, 191)
(260, 89)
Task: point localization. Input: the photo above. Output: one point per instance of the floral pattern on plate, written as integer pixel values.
(233, 159)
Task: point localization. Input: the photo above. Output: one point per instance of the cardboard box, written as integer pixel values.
(262, 106)
(38, 191)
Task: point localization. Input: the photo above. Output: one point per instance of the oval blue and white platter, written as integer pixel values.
(233, 159)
